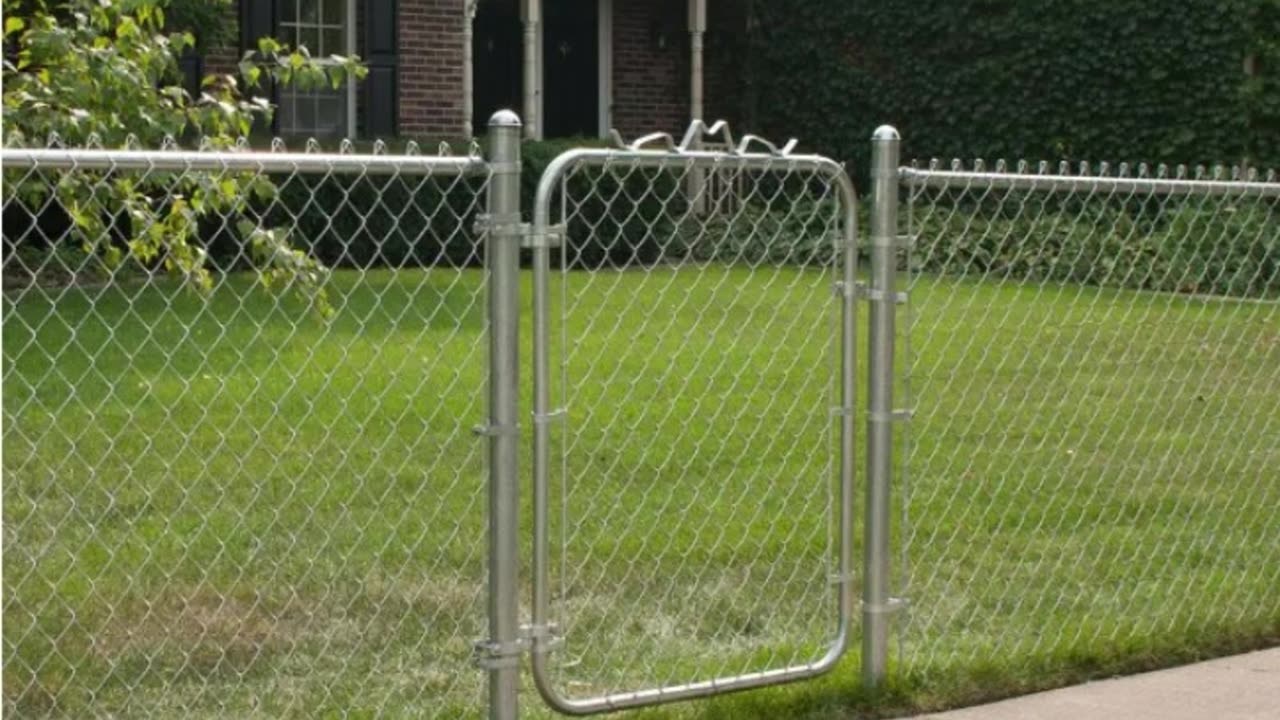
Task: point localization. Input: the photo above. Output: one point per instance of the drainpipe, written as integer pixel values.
(532, 19)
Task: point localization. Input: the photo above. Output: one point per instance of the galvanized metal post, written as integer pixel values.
(502, 653)
(876, 603)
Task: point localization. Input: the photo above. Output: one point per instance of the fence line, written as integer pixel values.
(1090, 468)
(248, 399)
(220, 502)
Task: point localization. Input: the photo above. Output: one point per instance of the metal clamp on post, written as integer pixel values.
(497, 430)
(502, 226)
(841, 578)
(895, 605)
(894, 242)
(875, 295)
(553, 237)
(548, 418)
(492, 655)
(507, 227)
(542, 639)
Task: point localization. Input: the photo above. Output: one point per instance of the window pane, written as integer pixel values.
(288, 11)
(335, 12)
(288, 118)
(310, 11)
(333, 43)
(329, 116)
(309, 38)
(306, 117)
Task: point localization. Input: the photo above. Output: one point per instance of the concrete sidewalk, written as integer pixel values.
(1245, 687)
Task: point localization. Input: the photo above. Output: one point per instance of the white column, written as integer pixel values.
(697, 182)
(350, 41)
(468, 67)
(531, 16)
(697, 29)
(605, 58)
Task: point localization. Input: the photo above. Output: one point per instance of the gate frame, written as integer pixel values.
(660, 150)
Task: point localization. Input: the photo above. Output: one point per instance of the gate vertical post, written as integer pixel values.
(501, 654)
(876, 602)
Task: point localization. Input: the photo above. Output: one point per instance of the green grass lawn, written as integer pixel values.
(233, 508)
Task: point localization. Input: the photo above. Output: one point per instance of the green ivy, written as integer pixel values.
(1131, 80)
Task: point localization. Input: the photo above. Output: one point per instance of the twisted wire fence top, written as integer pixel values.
(221, 502)
(1094, 463)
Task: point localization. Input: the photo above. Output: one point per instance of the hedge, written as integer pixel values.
(1229, 247)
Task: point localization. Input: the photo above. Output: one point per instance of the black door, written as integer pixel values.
(497, 52)
(571, 61)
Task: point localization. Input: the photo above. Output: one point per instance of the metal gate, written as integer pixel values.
(694, 341)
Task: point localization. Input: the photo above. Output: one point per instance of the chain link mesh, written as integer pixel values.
(1093, 464)
(695, 427)
(227, 505)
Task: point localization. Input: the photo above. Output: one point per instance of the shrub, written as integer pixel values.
(1229, 249)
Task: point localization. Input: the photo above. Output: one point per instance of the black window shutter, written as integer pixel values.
(191, 65)
(381, 86)
(258, 19)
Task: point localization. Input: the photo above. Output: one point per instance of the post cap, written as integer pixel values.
(886, 133)
(504, 118)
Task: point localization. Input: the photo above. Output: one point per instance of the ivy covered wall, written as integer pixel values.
(1134, 80)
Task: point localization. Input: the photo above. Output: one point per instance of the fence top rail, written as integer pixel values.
(682, 159)
(240, 161)
(1043, 181)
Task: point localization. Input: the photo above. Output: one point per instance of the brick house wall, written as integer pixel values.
(650, 84)
(431, 65)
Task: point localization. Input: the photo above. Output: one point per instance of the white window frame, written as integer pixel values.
(348, 25)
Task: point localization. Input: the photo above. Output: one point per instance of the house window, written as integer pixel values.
(324, 27)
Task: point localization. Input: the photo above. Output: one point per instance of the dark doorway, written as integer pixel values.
(497, 52)
(571, 62)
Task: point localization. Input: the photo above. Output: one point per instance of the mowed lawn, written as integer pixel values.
(230, 507)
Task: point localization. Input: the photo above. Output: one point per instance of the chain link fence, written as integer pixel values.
(264, 491)
(223, 503)
(1093, 467)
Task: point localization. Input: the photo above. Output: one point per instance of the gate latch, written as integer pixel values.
(503, 227)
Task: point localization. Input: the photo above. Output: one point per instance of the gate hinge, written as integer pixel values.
(542, 639)
(891, 417)
(492, 655)
(897, 242)
(548, 418)
(497, 430)
(877, 295)
(504, 227)
(894, 605)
